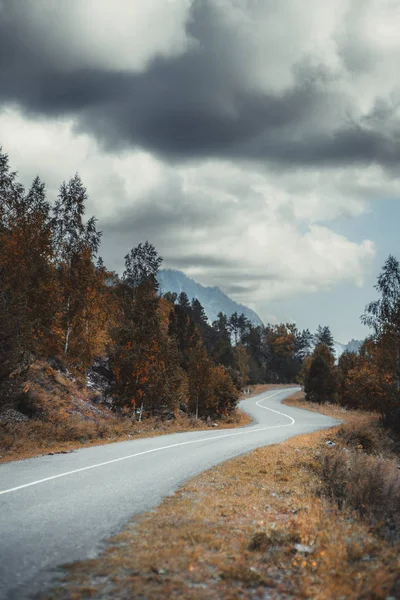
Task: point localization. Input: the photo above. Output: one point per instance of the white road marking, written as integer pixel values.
(276, 411)
(115, 460)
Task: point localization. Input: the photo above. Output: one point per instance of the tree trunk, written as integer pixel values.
(68, 328)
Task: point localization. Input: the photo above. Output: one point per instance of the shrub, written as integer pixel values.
(364, 482)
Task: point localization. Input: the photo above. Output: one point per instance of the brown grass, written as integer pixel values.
(361, 472)
(329, 409)
(34, 438)
(65, 418)
(234, 532)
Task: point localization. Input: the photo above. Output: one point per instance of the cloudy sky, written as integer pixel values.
(255, 143)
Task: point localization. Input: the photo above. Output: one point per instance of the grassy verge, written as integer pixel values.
(72, 421)
(277, 523)
(330, 410)
(35, 438)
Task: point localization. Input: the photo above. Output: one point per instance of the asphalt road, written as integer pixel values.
(59, 509)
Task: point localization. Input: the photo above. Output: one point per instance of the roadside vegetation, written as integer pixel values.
(314, 517)
(368, 380)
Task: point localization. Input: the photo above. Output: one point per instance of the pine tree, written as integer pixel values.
(320, 382)
(183, 301)
(303, 344)
(324, 336)
(141, 356)
(135, 353)
(184, 330)
(234, 326)
(222, 351)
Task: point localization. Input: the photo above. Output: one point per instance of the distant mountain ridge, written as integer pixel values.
(352, 346)
(213, 299)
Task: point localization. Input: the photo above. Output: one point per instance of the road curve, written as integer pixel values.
(59, 509)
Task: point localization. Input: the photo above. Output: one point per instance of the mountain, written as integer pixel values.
(352, 346)
(215, 301)
(212, 299)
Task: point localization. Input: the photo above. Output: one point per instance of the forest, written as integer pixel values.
(370, 379)
(58, 301)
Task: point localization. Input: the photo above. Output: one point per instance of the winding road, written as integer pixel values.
(62, 508)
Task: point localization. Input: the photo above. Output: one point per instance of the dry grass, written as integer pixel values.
(361, 472)
(65, 418)
(234, 533)
(330, 410)
(34, 438)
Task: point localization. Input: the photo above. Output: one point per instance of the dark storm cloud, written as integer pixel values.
(192, 106)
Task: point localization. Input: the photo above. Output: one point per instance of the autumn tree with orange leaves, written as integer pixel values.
(59, 302)
(144, 358)
(76, 244)
(27, 290)
(382, 352)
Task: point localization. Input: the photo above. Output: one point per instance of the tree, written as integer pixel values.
(324, 336)
(240, 374)
(171, 297)
(281, 345)
(142, 263)
(303, 344)
(234, 326)
(243, 326)
(184, 330)
(383, 315)
(370, 388)
(139, 340)
(76, 244)
(224, 392)
(202, 401)
(198, 314)
(11, 192)
(27, 293)
(320, 383)
(383, 349)
(136, 347)
(256, 350)
(222, 351)
(348, 361)
(183, 301)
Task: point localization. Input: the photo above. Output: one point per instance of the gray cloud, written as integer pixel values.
(235, 136)
(200, 103)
